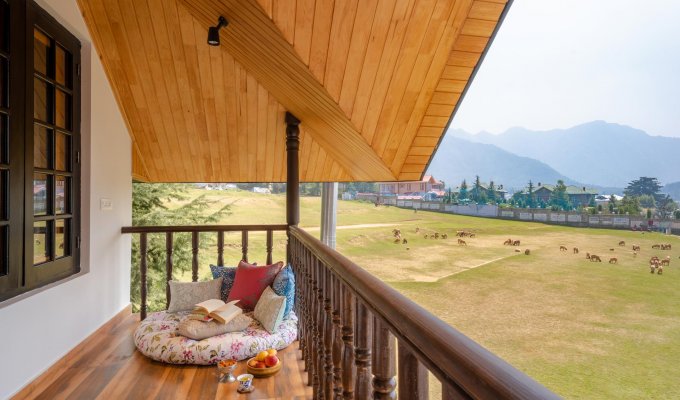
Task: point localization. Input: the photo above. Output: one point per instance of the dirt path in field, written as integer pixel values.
(469, 268)
(358, 226)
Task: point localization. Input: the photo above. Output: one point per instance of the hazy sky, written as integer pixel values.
(559, 63)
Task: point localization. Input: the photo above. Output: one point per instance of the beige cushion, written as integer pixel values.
(269, 309)
(185, 295)
(199, 330)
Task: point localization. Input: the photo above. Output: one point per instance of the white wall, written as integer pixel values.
(38, 330)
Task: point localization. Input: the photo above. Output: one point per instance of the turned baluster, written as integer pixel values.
(363, 335)
(168, 267)
(348, 367)
(194, 256)
(328, 332)
(220, 248)
(384, 382)
(318, 330)
(244, 246)
(337, 337)
(311, 315)
(270, 245)
(142, 275)
(412, 375)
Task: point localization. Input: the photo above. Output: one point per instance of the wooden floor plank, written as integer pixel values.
(107, 366)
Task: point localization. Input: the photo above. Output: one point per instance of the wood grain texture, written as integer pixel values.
(106, 365)
(364, 77)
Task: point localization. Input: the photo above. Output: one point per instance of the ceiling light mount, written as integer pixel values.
(214, 31)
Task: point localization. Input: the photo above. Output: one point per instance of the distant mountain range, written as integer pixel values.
(597, 154)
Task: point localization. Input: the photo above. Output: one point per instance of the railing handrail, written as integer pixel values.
(202, 228)
(453, 357)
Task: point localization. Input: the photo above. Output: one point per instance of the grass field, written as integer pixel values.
(585, 330)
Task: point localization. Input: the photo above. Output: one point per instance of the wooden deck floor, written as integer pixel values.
(107, 366)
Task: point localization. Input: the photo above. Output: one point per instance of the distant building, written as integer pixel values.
(500, 192)
(262, 190)
(604, 199)
(425, 185)
(578, 195)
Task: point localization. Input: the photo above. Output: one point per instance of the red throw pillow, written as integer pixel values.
(251, 281)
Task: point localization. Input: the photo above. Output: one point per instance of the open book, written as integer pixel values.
(216, 309)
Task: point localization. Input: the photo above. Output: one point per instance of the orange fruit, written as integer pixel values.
(271, 352)
(261, 356)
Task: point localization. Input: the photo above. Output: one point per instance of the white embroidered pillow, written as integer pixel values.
(269, 309)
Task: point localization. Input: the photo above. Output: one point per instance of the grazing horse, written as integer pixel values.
(507, 242)
(404, 241)
(563, 248)
(575, 250)
(461, 242)
(425, 236)
(656, 246)
(527, 252)
(613, 260)
(660, 270)
(636, 247)
(588, 256)
(515, 243)
(666, 261)
(445, 236)
(622, 243)
(594, 258)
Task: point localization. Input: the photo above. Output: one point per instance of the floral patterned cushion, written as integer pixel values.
(227, 274)
(157, 338)
(284, 285)
(251, 281)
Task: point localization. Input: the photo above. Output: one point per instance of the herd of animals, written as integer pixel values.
(656, 264)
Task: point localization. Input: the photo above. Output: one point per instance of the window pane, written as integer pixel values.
(41, 248)
(4, 247)
(41, 146)
(4, 26)
(41, 46)
(63, 66)
(39, 194)
(4, 82)
(62, 195)
(4, 139)
(42, 101)
(61, 244)
(61, 159)
(4, 192)
(63, 110)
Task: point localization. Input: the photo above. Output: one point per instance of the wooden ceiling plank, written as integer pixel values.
(463, 59)
(321, 31)
(129, 116)
(231, 104)
(434, 122)
(445, 98)
(305, 150)
(440, 110)
(413, 168)
(401, 20)
(284, 17)
(451, 86)
(361, 35)
(262, 116)
(409, 176)
(338, 45)
(304, 23)
(409, 121)
(380, 29)
(253, 122)
(478, 27)
(281, 160)
(428, 131)
(418, 159)
(272, 107)
(474, 44)
(410, 78)
(457, 73)
(405, 81)
(242, 118)
(486, 10)
(252, 37)
(424, 141)
(221, 115)
(421, 151)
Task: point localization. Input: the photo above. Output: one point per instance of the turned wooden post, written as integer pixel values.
(320, 353)
(270, 246)
(244, 246)
(328, 333)
(168, 267)
(412, 379)
(142, 276)
(363, 335)
(194, 256)
(348, 367)
(384, 382)
(292, 174)
(220, 248)
(337, 337)
(311, 318)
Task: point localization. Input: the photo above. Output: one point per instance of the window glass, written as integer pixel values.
(62, 144)
(4, 245)
(41, 146)
(39, 194)
(61, 237)
(62, 64)
(41, 47)
(4, 26)
(4, 138)
(62, 109)
(41, 249)
(61, 198)
(42, 100)
(4, 82)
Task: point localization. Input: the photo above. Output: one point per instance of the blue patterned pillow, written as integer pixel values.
(227, 274)
(284, 285)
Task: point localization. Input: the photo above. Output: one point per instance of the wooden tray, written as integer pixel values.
(263, 372)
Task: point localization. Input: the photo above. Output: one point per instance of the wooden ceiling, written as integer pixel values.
(374, 83)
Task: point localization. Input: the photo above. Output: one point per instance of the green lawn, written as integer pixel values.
(585, 330)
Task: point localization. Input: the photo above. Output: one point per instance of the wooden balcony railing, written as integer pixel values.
(357, 334)
(195, 230)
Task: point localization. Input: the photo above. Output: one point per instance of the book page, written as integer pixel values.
(227, 312)
(209, 306)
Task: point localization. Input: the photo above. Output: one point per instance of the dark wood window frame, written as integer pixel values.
(20, 270)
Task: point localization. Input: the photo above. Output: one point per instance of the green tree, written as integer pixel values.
(148, 209)
(559, 198)
(647, 201)
(630, 205)
(643, 186)
(477, 190)
(666, 207)
(463, 193)
(491, 193)
(531, 197)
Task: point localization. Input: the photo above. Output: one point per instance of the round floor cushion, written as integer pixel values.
(156, 337)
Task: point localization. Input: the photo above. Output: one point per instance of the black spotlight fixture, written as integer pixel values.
(214, 31)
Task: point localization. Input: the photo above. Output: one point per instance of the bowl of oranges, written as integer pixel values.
(265, 363)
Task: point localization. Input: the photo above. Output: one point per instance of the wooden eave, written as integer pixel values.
(374, 82)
